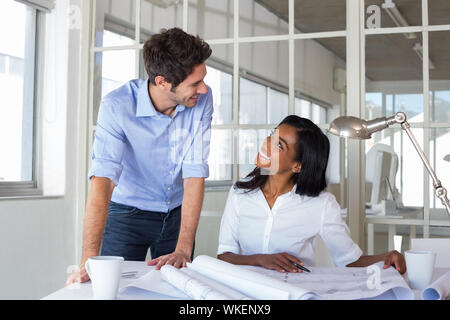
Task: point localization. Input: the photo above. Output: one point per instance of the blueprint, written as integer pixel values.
(345, 283)
(210, 278)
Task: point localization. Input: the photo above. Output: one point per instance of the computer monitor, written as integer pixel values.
(381, 169)
(381, 177)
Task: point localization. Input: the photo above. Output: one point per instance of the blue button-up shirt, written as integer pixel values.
(148, 154)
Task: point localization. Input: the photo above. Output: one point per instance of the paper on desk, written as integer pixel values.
(344, 283)
(439, 289)
(251, 283)
(153, 281)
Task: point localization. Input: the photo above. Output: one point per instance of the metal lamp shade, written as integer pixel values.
(350, 127)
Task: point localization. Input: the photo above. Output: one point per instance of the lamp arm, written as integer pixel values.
(440, 191)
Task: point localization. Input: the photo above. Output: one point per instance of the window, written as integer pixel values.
(409, 72)
(18, 174)
(381, 104)
(253, 102)
(278, 105)
(260, 105)
(307, 109)
(302, 108)
(221, 84)
(117, 66)
(221, 152)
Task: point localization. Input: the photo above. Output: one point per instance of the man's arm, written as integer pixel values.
(94, 223)
(194, 189)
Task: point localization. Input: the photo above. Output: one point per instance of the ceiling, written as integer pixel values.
(388, 57)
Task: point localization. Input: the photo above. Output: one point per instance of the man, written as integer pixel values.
(149, 158)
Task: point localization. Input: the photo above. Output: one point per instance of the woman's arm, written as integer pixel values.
(391, 258)
(250, 260)
(282, 262)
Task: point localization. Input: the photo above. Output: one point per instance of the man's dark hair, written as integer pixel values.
(173, 54)
(312, 151)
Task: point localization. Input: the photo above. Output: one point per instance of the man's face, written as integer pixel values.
(188, 91)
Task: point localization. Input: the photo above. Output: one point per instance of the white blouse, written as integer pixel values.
(249, 226)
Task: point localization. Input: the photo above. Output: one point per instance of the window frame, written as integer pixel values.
(33, 187)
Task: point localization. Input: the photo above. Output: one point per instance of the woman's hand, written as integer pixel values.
(282, 262)
(395, 259)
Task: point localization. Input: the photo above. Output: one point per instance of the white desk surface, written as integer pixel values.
(83, 291)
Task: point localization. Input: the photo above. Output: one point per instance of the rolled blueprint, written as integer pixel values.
(439, 289)
(197, 286)
(252, 284)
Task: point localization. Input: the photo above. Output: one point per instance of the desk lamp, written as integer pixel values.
(356, 128)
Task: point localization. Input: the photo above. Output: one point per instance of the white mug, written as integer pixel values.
(420, 267)
(104, 272)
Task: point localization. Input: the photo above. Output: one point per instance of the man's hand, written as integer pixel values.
(395, 259)
(190, 213)
(282, 262)
(79, 275)
(176, 259)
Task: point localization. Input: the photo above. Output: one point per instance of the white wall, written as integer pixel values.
(36, 246)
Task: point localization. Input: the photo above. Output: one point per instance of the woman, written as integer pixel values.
(272, 216)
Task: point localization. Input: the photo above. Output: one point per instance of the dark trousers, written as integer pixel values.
(129, 232)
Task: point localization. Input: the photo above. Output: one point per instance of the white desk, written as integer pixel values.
(412, 216)
(406, 216)
(83, 291)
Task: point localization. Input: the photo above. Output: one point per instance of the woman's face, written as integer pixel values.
(278, 151)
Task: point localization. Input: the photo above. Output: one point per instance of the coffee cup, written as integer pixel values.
(420, 267)
(104, 272)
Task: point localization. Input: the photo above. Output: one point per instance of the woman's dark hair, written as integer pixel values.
(312, 151)
(173, 54)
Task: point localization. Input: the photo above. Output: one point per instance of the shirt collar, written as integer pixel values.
(292, 192)
(145, 106)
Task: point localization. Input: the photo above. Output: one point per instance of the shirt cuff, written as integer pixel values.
(353, 255)
(195, 170)
(106, 169)
(227, 248)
